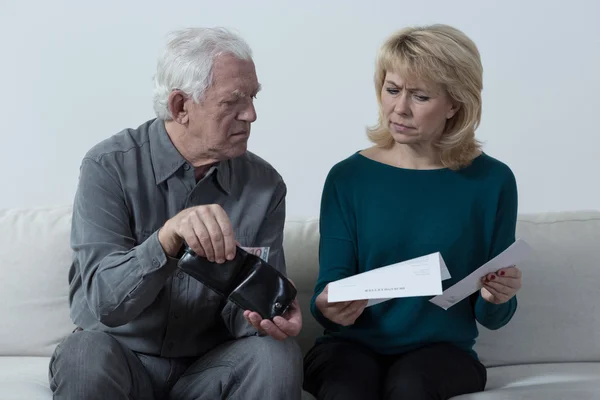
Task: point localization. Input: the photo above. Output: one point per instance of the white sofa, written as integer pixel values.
(550, 350)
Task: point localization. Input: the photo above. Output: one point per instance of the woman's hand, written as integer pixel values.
(343, 313)
(500, 287)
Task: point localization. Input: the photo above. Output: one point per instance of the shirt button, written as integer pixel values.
(186, 167)
(175, 315)
(155, 262)
(180, 275)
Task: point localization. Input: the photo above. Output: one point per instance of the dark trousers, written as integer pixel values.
(349, 371)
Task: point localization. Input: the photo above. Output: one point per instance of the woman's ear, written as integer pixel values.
(177, 107)
(454, 107)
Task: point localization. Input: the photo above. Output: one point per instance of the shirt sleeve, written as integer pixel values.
(120, 279)
(337, 250)
(269, 235)
(495, 316)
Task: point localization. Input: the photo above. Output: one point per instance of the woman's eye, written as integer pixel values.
(421, 98)
(392, 91)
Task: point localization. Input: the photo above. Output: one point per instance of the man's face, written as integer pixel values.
(221, 120)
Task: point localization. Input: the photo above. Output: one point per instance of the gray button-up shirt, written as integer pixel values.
(121, 281)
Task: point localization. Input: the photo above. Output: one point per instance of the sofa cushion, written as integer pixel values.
(301, 244)
(558, 311)
(24, 378)
(571, 381)
(34, 263)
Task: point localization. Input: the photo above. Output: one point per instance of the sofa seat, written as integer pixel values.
(572, 381)
(24, 378)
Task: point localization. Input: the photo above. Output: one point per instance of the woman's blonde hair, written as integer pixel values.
(445, 56)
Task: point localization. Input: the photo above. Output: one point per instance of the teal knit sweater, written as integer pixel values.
(374, 214)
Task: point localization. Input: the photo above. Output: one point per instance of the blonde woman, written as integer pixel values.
(424, 186)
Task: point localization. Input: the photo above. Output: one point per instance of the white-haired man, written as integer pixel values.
(147, 330)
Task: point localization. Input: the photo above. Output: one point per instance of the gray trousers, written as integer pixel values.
(93, 365)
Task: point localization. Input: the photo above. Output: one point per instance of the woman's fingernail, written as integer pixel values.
(501, 273)
(493, 277)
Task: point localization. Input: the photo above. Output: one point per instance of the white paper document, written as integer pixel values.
(420, 276)
(514, 254)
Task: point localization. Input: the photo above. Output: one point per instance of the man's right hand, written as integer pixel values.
(206, 229)
(343, 313)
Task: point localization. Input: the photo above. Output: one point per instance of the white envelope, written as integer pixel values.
(420, 276)
(514, 254)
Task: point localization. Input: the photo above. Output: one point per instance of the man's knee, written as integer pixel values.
(249, 368)
(86, 348)
(281, 357)
(276, 363)
(84, 356)
(284, 354)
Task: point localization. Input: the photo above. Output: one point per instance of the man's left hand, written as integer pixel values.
(502, 286)
(280, 328)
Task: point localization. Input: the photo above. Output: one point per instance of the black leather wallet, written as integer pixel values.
(247, 281)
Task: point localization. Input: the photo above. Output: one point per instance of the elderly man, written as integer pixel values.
(147, 330)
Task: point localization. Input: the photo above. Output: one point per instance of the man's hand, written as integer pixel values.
(500, 287)
(206, 229)
(343, 313)
(280, 328)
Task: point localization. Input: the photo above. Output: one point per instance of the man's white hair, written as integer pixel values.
(187, 61)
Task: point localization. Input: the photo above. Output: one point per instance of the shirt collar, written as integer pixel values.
(166, 159)
(224, 172)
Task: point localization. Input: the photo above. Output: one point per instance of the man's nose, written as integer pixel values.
(248, 113)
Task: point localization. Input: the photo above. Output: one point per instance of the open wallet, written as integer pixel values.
(247, 281)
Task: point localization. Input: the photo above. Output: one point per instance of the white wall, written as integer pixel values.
(75, 72)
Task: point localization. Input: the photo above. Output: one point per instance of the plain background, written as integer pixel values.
(75, 72)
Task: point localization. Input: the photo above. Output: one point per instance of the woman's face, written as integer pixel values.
(416, 112)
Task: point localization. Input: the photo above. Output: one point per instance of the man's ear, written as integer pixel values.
(178, 107)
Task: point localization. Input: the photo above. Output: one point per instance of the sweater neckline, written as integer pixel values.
(411, 170)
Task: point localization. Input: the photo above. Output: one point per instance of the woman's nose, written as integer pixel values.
(402, 106)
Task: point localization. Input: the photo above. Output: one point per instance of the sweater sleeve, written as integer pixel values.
(337, 250)
(495, 316)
